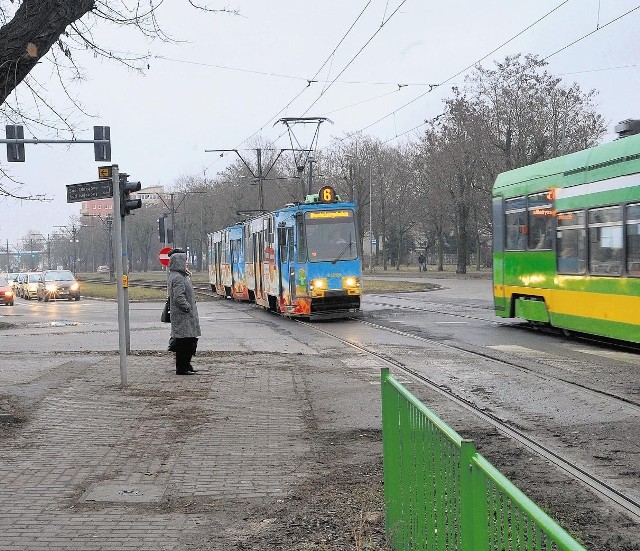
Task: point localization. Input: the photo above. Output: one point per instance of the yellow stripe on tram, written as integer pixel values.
(602, 306)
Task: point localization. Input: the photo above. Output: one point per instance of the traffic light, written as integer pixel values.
(126, 203)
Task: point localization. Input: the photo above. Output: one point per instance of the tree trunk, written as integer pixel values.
(462, 237)
(26, 39)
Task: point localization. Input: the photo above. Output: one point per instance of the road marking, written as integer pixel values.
(612, 354)
(516, 349)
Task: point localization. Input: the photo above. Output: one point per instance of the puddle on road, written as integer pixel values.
(54, 323)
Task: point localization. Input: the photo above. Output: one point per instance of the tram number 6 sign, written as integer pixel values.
(327, 194)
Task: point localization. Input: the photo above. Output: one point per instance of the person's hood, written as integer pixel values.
(178, 262)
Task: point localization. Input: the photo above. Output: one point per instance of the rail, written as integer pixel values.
(442, 495)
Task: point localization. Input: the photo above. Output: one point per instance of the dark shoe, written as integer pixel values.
(191, 370)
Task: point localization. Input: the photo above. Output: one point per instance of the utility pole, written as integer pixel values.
(109, 225)
(310, 185)
(370, 223)
(75, 247)
(261, 176)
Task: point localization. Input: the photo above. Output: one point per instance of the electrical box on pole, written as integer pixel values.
(102, 151)
(15, 151)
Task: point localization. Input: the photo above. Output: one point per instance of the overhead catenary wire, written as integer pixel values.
(314, 77)
(463, 70)
(309, 82)
(384, 22)
(599, 27)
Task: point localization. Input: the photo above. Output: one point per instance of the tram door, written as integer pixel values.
(286, 260)
(498, 254)
(234, 245)
(258, 251)
(218, 263)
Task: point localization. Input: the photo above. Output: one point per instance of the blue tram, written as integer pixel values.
(302, 261)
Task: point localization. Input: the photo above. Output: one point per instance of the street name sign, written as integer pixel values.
(86, 191)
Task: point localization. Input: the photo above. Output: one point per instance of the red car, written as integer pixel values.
(6, 292)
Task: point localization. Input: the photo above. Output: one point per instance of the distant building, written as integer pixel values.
(104, 207)
(149, 195)
(97, 207)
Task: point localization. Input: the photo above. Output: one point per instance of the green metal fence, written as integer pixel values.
(441, 495)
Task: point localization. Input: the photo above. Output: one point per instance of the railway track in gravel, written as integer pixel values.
(597, 484)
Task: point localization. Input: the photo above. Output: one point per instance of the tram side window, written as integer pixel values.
(248, 253)
(605, 240)
(302, 243)
(633, 239)
(571, 242)
(516, 224)
(541, 213)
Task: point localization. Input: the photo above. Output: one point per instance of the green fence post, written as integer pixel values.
(390, 455)
(467, 450)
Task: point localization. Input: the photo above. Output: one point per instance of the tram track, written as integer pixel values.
(520, 324)
(600, 486)
(509, 363)
(596, 484)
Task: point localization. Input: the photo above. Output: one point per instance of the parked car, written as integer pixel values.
(58, 284)
(6, 292)
(103, 269)
(30, 285)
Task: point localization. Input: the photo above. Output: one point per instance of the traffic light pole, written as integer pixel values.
(125, 277)
(120, 258)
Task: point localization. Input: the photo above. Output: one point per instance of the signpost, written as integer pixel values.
(86, 191)
(163, 256)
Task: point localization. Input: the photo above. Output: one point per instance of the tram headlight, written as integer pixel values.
(350, 282)
(318, 284)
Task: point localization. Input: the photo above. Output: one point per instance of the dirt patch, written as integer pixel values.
(12, 416)
(339, 507)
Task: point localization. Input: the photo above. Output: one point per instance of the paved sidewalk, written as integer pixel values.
(167, 462)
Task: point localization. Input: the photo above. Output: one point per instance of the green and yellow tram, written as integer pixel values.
(567, 241)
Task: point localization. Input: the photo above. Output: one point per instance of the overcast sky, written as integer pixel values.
(229, 77)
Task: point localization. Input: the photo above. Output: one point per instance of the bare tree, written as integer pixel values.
(529, 115)
(36, 32)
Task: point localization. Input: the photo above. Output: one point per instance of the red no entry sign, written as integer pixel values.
(163, 256)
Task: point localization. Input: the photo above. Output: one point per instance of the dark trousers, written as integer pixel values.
(185, 349)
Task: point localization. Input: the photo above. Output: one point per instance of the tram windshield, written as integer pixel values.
(331, 235)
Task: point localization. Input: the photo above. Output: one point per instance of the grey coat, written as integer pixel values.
(184, 312)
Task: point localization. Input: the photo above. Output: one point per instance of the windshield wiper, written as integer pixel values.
(343, 251)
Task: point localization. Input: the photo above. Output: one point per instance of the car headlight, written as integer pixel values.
(8, 293)
(319, 283)
(75, 286)
(51, 288)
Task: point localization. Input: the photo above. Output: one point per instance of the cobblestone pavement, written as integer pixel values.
(165, 463)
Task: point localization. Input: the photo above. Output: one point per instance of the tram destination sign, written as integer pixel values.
(86, 191)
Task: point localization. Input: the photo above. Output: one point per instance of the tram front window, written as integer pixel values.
(331, 235)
